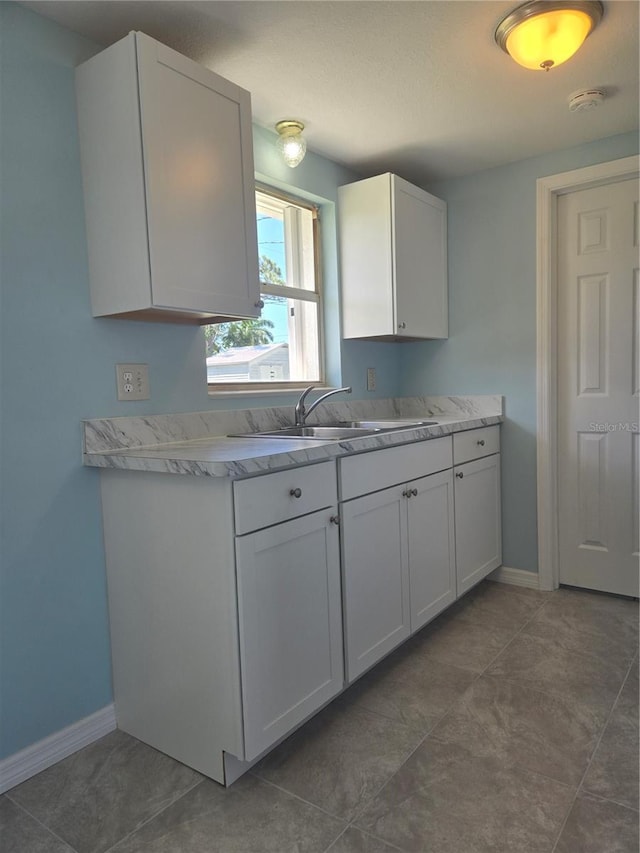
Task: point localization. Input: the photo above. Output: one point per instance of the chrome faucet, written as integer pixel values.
(301, 413)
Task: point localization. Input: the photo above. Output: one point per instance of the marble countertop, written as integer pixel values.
(136, 443)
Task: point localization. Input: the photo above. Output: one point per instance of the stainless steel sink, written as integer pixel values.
(337, 431)
(386, 424)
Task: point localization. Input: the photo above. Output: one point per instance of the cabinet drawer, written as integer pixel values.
(370, 472)
(475, 443)
(262, 501)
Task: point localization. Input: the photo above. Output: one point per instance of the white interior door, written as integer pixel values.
(598, 382)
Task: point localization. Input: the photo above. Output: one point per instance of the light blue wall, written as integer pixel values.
(492, 302)
(58, 367)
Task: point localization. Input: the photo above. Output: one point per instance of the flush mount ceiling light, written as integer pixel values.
(291, 142)
(543, 33)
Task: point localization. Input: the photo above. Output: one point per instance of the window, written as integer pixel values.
(283, 347)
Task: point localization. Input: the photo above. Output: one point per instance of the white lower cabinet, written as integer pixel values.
(375, 577)
(432, 554)
(398, 551)
(290, 625)
(478, 522)
(221, 643)
(398, 557)
(228, 599)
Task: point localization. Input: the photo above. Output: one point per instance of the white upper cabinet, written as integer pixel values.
(167, 165)
(393, 249)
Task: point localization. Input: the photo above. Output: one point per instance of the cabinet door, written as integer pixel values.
(420, 262)
(478, 527)
(290, 625)
(432, 567)
(366, 258)
(198, 162)
(375, 577)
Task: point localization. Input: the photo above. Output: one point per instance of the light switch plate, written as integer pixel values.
(132, 381)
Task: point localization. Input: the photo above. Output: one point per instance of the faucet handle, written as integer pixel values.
(306, 391)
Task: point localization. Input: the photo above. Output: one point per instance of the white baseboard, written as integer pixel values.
(516, 577)
(37, 757)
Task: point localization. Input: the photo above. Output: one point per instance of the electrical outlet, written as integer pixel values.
(371, 379)
(132, 381)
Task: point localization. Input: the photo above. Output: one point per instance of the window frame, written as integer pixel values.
(233, 388)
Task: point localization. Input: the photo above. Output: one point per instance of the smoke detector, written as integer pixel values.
(585, 99)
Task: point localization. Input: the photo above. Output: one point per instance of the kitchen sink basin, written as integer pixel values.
(326, 433)
(386, 424)
(337, 431)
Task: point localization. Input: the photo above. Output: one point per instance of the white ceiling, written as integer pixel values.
(418, 88)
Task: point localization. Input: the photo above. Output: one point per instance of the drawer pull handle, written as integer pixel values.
(295, 493)
(335, 519)
(480, 442)
(459, 474)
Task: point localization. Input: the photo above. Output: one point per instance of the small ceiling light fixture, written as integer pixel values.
(544, 33)
(291, 142)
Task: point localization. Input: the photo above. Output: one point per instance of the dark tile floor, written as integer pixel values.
(509, 725)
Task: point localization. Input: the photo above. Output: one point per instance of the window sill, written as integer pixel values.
(267, 392)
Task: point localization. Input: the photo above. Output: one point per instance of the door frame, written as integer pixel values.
(548, 190)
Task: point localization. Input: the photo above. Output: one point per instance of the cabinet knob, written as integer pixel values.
(406, 493)
(480, 442)
(459, 474)
(295, 493)
(402, 325)
(259, 303)
(414, 492)
(335, 519)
